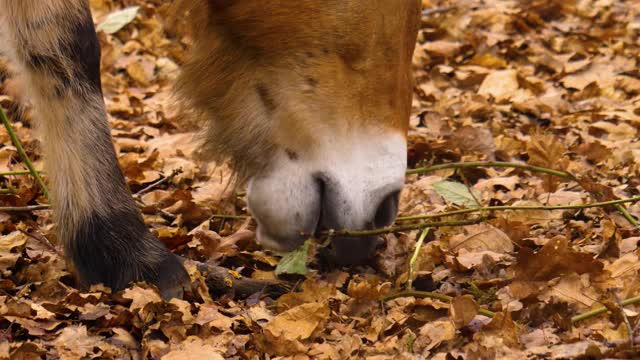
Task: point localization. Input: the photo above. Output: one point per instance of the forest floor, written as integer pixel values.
(553, 84)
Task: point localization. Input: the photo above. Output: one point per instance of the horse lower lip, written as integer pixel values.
(353, 250)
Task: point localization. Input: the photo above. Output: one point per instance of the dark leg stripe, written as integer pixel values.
(77, 65)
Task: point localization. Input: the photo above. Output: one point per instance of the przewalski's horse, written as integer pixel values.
(309, 99)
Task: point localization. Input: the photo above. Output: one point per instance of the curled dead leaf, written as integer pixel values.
(554, 259)
(463, 309)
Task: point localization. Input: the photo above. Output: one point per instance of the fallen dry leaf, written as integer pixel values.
(463, 310)
(298, 323)
(500, 84)
(193, 348)
(554, 259)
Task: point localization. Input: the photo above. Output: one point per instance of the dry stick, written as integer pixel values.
(138, 196)
(390, 229)
(159, 182)
(12, 173)
(414, 258)
(440, 10)
(43, 240)
(232, 217)
(624, 316)
(596, 312)
(481, 164)
(507, 207)
(17, 172)
(424, 225)
(477, 164)
(432, 295)
(163, 212)
(442, 297)
(221, 280)
(23, 154)
(626, 215)
(24, 208)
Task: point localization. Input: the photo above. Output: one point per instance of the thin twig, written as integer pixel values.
(138, 196)
(391, 229)
(502, 164)
(43, 240)
(624, 316)
(163, 212)
(626, 215)
(432, 295)
(507, 207)
(23, 154)
(439, 10)
(18, 172)
(499, 164)
(232, 217)
(24, 208)
(603, 310)
(471, 192)
(157, 183)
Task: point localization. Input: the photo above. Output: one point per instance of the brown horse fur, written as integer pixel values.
(267, 72)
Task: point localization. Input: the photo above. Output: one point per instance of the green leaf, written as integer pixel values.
(295, 262)
(456, 193)
(118, 19)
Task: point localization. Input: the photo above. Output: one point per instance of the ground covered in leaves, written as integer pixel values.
(547, 83)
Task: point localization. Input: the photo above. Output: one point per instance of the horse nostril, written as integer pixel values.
(387, 210)
(321, 184)
(339, 212)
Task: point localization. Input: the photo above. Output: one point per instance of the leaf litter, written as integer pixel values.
(552, 84)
